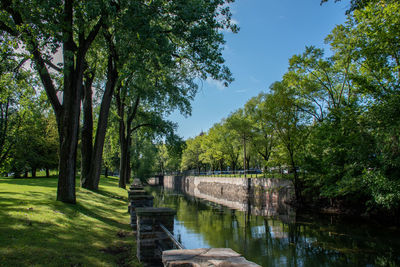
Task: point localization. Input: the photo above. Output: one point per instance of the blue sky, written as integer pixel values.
(271, 31)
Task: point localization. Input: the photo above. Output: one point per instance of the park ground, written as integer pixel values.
(37, 230)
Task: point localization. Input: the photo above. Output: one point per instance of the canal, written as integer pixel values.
(286, 238)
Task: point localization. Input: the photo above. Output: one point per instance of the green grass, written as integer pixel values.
(36, 230)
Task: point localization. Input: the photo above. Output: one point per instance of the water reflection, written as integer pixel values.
(280, 240)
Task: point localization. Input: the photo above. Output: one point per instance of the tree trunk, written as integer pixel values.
(68, 117)
(47, 172)
(122, 139)
(128, 154)
(128, 167)
(87, 133)
(123, 152)
(125, 168)
(244, 156)
(25, 175)
(106, 172)
(69, 128)
(123, 164)
(112, 77)
(297, 186)
(33, 172)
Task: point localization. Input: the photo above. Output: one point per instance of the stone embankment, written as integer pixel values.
(262, 196)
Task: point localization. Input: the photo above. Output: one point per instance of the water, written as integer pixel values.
(283, 239)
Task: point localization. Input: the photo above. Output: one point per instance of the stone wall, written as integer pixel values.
(151, 238)
(265, 197)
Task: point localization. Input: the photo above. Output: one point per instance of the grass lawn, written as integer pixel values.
(36, 230)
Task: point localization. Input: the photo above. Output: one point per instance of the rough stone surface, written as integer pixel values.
(137, 192)
(203, 257)
(151, 238)
(138, 201)
(137, 197)
(155, 211)
(258, 196)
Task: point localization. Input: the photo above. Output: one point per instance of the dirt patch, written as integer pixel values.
(123, 234)
(123, 252)
(118, 249)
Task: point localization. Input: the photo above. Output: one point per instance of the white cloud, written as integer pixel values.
(218, 84)
(235, 21)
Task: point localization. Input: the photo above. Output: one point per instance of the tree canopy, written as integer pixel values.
(152, 49)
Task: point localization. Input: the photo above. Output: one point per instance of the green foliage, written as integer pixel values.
(191, 155)
(143, 157)
(385, 193)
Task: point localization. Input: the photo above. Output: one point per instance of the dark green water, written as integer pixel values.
(282, 240)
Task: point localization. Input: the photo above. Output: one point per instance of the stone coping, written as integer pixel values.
(203, 257)
(137, 191)
(155, 211)
(136, 187)
(140, 197)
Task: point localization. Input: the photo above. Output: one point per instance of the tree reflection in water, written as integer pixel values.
(280, 240)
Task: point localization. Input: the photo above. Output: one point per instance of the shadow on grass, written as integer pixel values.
(73, 210)
(109, 194)
(12, 196)
(42, 181)
(37, 230)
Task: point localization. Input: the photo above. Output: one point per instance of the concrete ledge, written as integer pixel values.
(140, 197)
(202, 257)
(136, 187)
(155, 211)
(137, 192)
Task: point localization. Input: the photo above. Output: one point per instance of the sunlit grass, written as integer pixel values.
(36, 230)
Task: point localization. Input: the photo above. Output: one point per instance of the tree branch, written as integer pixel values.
(135, 108)
(37, 58)
(92, 35)
(53, 66)
(46, 79)
(141, 125)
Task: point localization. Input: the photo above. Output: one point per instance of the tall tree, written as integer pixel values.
(191, 154)
(231, 145)
(212, 147)
(92, 151)
(290, 126)
(239, 123)
(71, 27)
(320, 84)
(263, 136)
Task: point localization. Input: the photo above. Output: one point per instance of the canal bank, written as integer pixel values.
(267, 197)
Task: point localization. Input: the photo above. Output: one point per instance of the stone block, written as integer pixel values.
(150, 236)
(205, 257)
(137, 192)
